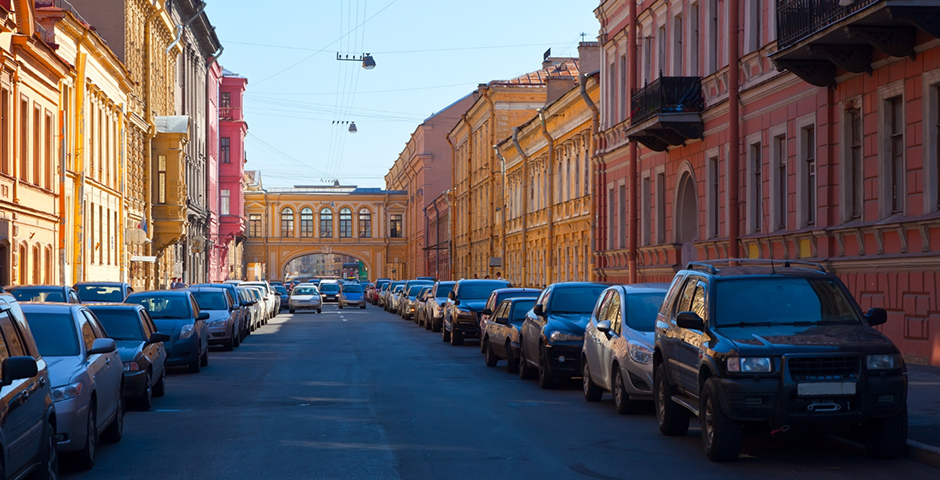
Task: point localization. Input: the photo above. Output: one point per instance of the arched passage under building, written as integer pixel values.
(313, 265)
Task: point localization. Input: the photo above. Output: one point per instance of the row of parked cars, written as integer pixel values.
(74, 357)
(747, 346)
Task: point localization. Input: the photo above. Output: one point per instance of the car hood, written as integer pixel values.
(782, 339)
(171, 327)
(128, 349)
(217, 315)
(572, 322)
(353, 296)
(63, 369)
(473, 305)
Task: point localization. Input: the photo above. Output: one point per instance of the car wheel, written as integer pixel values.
(445, 335)
(340, 306)
(455, 339)
(159, 389)
(236, 338)
(435, 327)
(363, 306)
(146, 399)
(49, 470)
(546, 381)
(887, 437)
(86, 457)
(490, 356)
(291, 310)
(592, 392)
(622, 401)
(721, 436)
(512, 363)
(526, 372)
(115, 430)
(672, 418)
(229, 345)
(319, 310)
(204, 359)
(195, 366)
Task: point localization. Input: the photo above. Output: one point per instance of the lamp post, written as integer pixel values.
(366, 59)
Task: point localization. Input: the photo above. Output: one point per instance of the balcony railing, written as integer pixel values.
(798, 19)
(227, 113)
(666, 95)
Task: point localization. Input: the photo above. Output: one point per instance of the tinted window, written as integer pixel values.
(575, 299)
(478, 290)
(96, 293)
(443, 289)
(642, 309)
(353, 288)
(413, 291)
(281, 290)
(163, 307)
(520, 309)
(121, 324)
(329, 287)
(39, 294)
(55, 334)
(211, 300)
(304, 290)
(783, 301)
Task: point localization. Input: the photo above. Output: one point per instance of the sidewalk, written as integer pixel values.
(923, 407)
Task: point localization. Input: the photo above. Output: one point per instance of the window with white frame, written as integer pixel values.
(622, 214)
(713, 37)
(647, 59)
(612, 90)
(712, 194)
(677, 46)
(660, 52)
(226, 202)
(647, 211)
(611, 216)
(661, 208)
(624, 112)
(693, 40)
(896, 153)
(755, 197)
(854, 164)
(809, 160)
(779, 171)
(753, 26)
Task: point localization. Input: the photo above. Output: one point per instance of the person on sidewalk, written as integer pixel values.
(499, 276)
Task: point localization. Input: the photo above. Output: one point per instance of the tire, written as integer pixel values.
(159, 388)
(230, 344)
(546, 381)
(672, 418)
(85, 458)
(592, 392)
(49, 470)
(115, 430)
(887, 437)
(362, 307)
(445, 335)
(145, 401)
(622, 402)
(204, 359)
(721, 436)
(428, 323)
(196, 366)
(489, 357)
(455, 339)
(512, 363)
(291, 310)
(319, 310)
(526, 372)
(340, 306)
(435, 327)
(236, 338)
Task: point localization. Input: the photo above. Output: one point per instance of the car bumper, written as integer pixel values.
(466, 327)
(306, 305)
(329, 298)
(72, 423)
(353, 303)
(183, 352)
(135, 383)
(564, 360)
(219, 335)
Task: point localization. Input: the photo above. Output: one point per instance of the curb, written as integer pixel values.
(923, 453)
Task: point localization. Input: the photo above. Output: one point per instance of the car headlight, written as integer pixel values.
(640, 353)
(131, 367)
(750, 365)
(218, 323)
(186, 331)
(66, 392)
(464, 313)
(883, 362)
(560, 336)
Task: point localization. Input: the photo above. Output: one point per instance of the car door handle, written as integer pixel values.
(42, 381)
(107, 361)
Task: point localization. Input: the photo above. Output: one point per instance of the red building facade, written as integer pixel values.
(232, 132)
(822, 143)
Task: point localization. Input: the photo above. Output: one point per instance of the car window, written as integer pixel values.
(149, 321)
(575, 299)
(352, 288)
(38, 294)
(642, 309)
(684, 301)
(100, 331)
(491, 302)
(163, 307)
(502, 311)
(145, 323)
(211, 300)
(100, 293)
(21, 327)
(88, 334)
(195, 306)
(122, 324)
(603, 306)
(55, 334)
(5, 322)
(615, 313)
(478, 290)
(783, 301)
(73, 297)
(545, 297)
(305, 290)
(12, 335)
(698, 299)
(520, 308)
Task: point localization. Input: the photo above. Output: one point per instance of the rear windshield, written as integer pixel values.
(575, 299)
(52, 294)
(352, 288)
(96, 293)
(520, 309)
(121, 324)
(329, 287)
(163, 307)
(413, 291)
(783, 301)
(211, 300)
(305, 291)
(642, 309)
(54, 333)
(479, 290)
(281, 290)
(444, 289)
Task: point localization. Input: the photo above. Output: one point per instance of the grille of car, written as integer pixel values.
(817, 369)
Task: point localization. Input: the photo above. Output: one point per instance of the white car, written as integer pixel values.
(263, 302)
(273, 299)
(305, 297)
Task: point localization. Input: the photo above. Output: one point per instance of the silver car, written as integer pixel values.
(254, 309)
(85, 371)
(272, 298)
(305, 296)
(224, 320)
(617, 355)
(263, 302)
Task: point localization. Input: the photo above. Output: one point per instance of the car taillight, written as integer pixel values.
(131, 367)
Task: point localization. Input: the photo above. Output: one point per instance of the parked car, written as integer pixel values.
(461, 316)
(429, 279)
(224, 321)
(272, 299)
(501, 336)
(498, 296)
(553, 331)
(262, 301)
(437, 300)
(351, 295)
(376, 291)
(244, 311)
(28, 431)
(283, 294)
(176, 313)
(103, 292)
(390, 292)
(86, 375)
(393, 302)
(409, 300)
(254, 308)
(381, 295)
(140, 346)
(305, 297)
(617, 352)
(763, 346)
(420, 305)
(43, 293)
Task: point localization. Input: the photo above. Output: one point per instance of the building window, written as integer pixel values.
(754, 17)
(855, 164)
(161, 179)
(254, 225)
(623, 216)
(713, 37)
(755, 196)
(647, 58)
(713, 191)
(693, 40)
(345, 223)
(226, 100)
(677, 46)
(24, 139)
(37, 146)
(287, 222)
(365, 223)
(623, 88)
(226, 149)
(306, 222)
(326, 223)
(50, 149)
(611, 216)
(395, 226)
(647, 211)
(780, 185)
(896, 154)
(661, 52)
(5, 132)
(226, 202)
(809, 159)
(660, 208)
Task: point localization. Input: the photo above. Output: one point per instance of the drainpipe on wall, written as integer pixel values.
(437, 244)
(450, 212)
(550, 264)
(633, 212)
(492, 184)
(504, 217)
(595, 114)
(734, 133)
(181, 27)
(427, 253)
(469, 200)
(151, 134)
(525, 204)
(450, 233)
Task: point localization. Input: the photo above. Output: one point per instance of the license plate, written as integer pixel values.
(825, 388)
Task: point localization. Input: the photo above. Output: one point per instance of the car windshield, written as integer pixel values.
(477, 290)
(39, 294)
(520, 309)
(444, 289)
(120, 324)
(413, 291)
(99, 293)
(280, 289)
(305, 290)
(642, 309)
(783, 301)
(329, 287)
(575, 299)
(163, 307)
(352, 288)
(398, 288)
(54, 333)
(211, 300)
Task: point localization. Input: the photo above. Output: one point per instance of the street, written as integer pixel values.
(363, 394)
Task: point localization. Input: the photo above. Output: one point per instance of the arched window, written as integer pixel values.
(24, 265)
(326, 223)
(345, 223)
(306, 222)
(37, 266)
(365, 223)
(287, 222)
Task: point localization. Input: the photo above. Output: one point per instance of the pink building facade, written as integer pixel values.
(231, 168)
(216, 258)
(793, 139)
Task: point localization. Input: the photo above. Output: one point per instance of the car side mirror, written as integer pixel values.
(203, 316)
(486, 311)
(690, 321)
(15, 368)
(158, 337)
(102, 345)
(247, 304)
(538, 309)
(450, 295)
(876, 316)
(604, 327)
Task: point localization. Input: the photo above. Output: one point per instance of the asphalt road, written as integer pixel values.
(361, 394)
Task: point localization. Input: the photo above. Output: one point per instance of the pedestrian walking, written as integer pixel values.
(499, 276)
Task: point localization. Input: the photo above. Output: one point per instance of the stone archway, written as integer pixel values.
(344, 257)
(686, 216)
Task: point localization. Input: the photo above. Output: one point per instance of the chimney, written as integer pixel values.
(557, 86)
(589, 55)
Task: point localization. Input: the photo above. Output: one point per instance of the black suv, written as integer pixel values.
(774, 345)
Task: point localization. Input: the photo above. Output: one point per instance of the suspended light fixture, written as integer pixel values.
(352, 127)
(366, 59)
(368, 62)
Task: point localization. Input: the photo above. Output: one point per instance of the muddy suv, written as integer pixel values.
(749, 344)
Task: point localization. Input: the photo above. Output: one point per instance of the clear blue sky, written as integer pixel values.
(429, 53)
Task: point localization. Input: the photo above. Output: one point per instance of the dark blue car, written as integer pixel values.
(176, 313)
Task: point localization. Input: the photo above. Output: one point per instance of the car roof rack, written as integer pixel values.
(710, 265)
